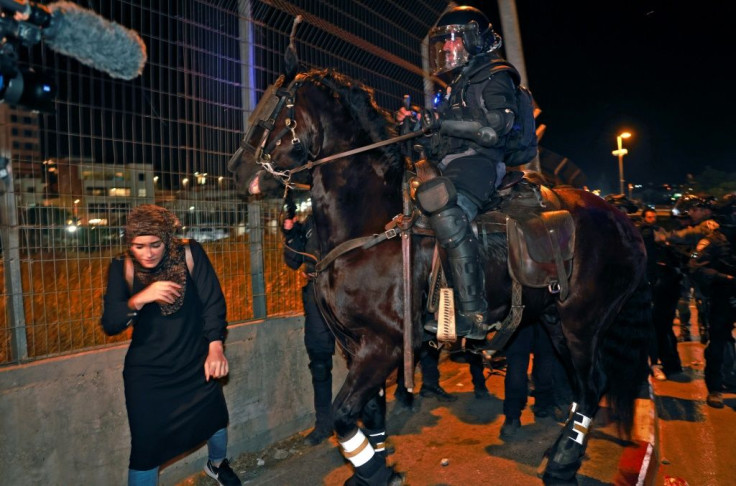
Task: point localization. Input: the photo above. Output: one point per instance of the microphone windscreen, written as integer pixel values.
(94, 41)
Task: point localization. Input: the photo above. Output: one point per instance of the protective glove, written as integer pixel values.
(430, 121)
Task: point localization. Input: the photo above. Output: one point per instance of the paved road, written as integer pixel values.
(694, 443)
(465, 433)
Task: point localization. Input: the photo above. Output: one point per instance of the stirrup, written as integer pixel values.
(478, 328)
(446, 329)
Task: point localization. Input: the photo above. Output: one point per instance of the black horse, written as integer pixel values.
(601, 329)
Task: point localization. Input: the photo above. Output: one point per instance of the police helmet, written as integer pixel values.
(686, 203)
(460, 34)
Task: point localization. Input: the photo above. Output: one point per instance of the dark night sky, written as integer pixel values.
(654, 68)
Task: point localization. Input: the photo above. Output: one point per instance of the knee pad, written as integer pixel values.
(450, 226)
(321, 370)
(436, 194)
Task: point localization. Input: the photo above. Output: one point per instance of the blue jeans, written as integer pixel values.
(216, 452)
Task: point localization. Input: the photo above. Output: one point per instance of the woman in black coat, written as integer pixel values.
(169, 292)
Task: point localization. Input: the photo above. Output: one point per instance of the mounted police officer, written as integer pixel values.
(463, 48)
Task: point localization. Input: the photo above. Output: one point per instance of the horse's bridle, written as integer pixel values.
(273, 102)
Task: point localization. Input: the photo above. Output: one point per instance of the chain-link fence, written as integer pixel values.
(164, 138)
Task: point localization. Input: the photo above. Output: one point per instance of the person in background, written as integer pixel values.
(683, 310)
(702, 224)
(713, 267)
(550, 381)
(664, 281)
(696, 214)
(299, 245)
(168, 292)
(429, 357)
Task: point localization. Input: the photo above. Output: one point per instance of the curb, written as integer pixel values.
(638, 463)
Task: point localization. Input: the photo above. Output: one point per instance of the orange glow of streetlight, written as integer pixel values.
(620, 152)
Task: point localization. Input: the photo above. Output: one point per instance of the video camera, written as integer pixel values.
(21, 24)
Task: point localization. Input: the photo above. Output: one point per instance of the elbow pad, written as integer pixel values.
(501, 120)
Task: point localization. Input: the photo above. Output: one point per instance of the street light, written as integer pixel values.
(621, 152)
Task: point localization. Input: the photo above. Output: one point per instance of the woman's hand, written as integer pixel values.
(163, 292)
(215, 366)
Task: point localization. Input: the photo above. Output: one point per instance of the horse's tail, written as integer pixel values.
(623, 353)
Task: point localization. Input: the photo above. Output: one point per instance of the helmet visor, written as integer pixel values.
(446, 49)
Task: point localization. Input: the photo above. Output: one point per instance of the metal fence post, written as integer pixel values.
(10, 236)
(258, 280)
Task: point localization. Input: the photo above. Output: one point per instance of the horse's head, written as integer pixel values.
(318, 113)
(271, 136)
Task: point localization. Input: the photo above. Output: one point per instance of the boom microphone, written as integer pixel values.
(94, 41)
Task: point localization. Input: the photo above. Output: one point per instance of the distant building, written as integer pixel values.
(98, 194)
(19, 143)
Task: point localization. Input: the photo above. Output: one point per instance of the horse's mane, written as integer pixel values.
(359, 99)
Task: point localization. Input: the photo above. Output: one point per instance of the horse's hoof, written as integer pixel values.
(396, 479)
(554, 481)
(386, 476)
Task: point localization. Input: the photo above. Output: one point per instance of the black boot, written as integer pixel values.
(454, 234)
(321, 370)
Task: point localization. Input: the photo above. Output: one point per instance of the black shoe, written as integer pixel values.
(715, 400)
(436, 391)
(671, 370)
(482, 393)
(318, 435)
(510, 427)
(544, 411)
(404, 398)
(703, 337)
(223, 474)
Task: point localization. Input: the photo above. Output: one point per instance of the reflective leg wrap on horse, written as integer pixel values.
(566, 455)
(370, 468)
(378, 438)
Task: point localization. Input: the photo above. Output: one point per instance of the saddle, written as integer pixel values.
(540, 235)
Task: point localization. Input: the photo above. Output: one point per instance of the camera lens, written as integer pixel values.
(28, 89)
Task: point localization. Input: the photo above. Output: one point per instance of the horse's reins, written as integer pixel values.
(256, 138)
(347, 153)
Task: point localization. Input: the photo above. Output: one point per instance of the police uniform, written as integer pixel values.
(713, 267)
(318, 339)
(464, 45)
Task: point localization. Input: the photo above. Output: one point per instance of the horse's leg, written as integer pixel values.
(613, 361)
(366, 378)
(373, 417)
(566, 454)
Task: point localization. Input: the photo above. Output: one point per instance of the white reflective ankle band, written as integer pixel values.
(379, 446)
(573, 409)
(357, 449)
(580, 427)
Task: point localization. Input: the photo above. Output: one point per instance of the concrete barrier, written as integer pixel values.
(63, 420)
